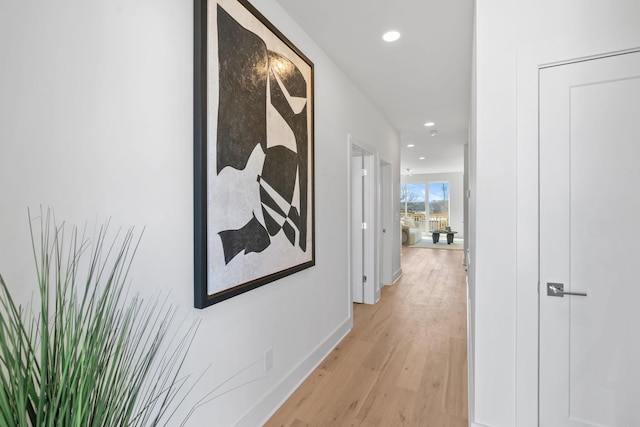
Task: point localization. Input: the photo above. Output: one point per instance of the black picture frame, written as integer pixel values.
(253, 152)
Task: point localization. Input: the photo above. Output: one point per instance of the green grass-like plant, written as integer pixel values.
(90, 356)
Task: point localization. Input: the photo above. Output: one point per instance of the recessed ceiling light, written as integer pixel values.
(422, 158)
(391, 36)
(428, 124)
(410, 145)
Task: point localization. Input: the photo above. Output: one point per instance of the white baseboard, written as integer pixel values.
(397, 275)
(477, 425)
(274, 398)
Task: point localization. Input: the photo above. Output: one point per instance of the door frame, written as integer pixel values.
(385, 228)
(356, 216)
(528, 66)
(605, 73)
(371, 235)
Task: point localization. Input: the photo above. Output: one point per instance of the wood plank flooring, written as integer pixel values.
(405, 361)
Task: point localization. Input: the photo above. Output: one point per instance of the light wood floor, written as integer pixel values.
(404, 362)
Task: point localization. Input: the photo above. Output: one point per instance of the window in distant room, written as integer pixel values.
(438, 205)
(412, 199)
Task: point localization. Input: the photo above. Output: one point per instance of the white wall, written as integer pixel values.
(456, 194)
(96, 122)
(513, 39)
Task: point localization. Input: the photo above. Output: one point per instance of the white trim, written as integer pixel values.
(397, 275)
(526, 298)
(273, 399)
(385, 211)
(349, 242)
(529, 64)
(469, 217)
(372, 159)
(590, 57)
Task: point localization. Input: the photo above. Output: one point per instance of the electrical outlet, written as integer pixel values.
(268, 360)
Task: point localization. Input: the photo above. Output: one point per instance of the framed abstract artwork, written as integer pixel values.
(253, 153)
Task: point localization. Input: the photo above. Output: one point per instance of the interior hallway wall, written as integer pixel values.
(513, 39)
(96, 121)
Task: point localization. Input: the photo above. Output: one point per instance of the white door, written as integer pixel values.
(385, 253)
(590, 243)
(364, 285)
(370, 233)
(357, 220)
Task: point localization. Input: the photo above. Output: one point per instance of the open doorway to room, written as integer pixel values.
(371, 223)
(432, 210)
(364, 268)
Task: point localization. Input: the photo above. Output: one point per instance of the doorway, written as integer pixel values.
(365, 286)
(385, 256)
(589, 346)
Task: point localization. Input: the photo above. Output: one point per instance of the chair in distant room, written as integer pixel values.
(411, 233)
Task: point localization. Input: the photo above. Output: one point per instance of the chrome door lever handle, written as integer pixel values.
(557, 290)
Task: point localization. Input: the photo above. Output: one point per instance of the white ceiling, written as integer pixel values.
(424, 76)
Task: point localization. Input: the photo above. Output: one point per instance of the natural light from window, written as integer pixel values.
(439, 203)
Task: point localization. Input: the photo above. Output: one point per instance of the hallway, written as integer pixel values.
(403, 363)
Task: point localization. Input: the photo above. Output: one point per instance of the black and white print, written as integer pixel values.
(259, 145)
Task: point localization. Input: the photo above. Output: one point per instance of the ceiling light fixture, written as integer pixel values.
(434, 132)
(422, 158)
(391, 36)
(410, 145)
(429, 124)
